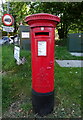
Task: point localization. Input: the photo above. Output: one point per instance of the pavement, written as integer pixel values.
(70, 63)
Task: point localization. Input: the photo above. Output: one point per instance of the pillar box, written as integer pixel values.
(42, 31)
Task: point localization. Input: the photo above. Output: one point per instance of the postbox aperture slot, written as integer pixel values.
(42, 34)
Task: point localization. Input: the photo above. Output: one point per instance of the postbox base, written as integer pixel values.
(43, 103)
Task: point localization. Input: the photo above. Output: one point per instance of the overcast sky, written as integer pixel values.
(2, 1)
(1, 6)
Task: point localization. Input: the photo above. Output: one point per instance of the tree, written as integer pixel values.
(71, 14)
(18, 10)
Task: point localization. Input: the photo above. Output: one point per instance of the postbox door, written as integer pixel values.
(42, 59)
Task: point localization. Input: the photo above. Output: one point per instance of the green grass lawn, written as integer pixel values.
(16, 79)
(61, 53)
(16, 85)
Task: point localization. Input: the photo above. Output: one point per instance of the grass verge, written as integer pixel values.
(16, 85)
(61, 53)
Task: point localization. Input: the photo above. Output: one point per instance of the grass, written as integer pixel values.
(15, 77)
(16, 85)
(61, 53)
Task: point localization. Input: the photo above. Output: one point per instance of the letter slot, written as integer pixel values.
(42, 34)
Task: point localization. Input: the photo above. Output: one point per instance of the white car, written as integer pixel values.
(4, 40)
(1, 41)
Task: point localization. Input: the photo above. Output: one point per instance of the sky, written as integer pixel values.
(2, 1)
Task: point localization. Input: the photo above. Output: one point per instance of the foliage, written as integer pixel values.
(59, 54)
(71, 14)
(18, 10)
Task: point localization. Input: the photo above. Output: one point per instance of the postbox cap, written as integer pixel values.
(42, 17)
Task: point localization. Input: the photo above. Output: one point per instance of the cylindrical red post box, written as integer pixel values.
(42, 31)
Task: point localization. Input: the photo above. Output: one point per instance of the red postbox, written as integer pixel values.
(42, 31)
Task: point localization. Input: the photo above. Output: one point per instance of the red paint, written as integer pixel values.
(42, 66)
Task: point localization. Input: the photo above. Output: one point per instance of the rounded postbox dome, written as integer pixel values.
(42, 19)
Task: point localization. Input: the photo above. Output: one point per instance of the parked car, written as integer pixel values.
(4, 40)
(1, 42)
(10, 40)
